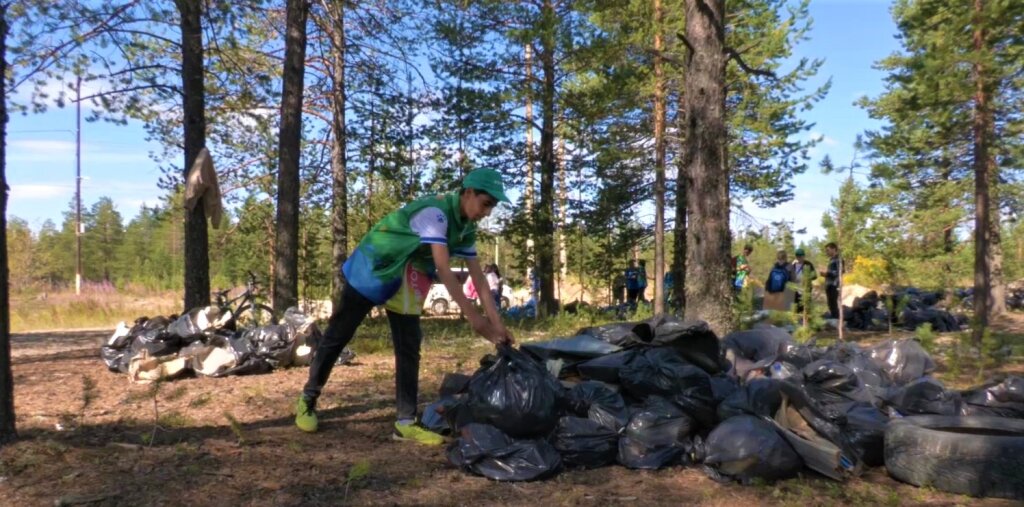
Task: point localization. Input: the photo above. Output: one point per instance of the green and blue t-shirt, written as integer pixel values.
(400, 243)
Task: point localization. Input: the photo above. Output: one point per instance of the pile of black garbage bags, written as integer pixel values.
(205, 342)
(665, 392)
(911, 308)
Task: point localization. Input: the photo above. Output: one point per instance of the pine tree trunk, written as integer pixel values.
(528, 196)
(981, 128)
(286, 284)
(680, 232)
(563, 198)
(708, 293)
(548, 305)
(659, 164)
(197, 259)
(8, 431)
(339, 173)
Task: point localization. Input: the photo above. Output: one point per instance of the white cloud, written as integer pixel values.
(39, 191)
(40, 146)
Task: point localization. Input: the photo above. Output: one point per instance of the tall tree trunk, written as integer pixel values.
(563, 197)
(679, 235)
(548, 305)
(659, 163)
(980, 126)
(8, 431)
(708, 292)
(197, 242)
(339, 173)
(997, 283)
(286, 282)
(528, 196)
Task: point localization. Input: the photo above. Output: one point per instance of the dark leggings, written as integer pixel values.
(405, 334)
(832, 296)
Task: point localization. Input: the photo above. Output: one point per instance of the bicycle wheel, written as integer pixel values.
(252, 315)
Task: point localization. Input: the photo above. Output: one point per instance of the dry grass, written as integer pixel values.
(65, 310)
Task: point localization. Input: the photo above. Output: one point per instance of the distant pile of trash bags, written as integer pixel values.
(911, 308)
(204, 341)
(665, 392)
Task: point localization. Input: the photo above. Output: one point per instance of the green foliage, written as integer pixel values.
(926, 336)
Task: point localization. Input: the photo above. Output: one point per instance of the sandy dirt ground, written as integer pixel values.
(90, 437)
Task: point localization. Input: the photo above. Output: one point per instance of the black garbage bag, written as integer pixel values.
(722, 386)
(923, 396)
(818, 433)
(1004, 399)
(599, 402)
(247, 362)
(657, 435)
(442, 416)
(573, 349)
(157, 342)
(760, 397)
(114, 350)
(745, 448)
(113, 358)
(606, 368)
(871, 376)
(454, 383)
(620, 334)
(185, 326)
(272, 343)
(515, 394)
(903, 361)
(302, 328)
(661, 371)
(757, 344)
(864, 432)
(585, 443)
(754, 348)
(830, 382)
(485, 450)
(941, 320)
(693, 339)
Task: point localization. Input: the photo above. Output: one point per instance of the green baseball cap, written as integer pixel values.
(487, 180)
(799, 251)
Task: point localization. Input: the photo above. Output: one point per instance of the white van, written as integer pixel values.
(440, 302)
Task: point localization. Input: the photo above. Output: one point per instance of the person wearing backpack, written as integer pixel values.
(802, 273)
(775, 285)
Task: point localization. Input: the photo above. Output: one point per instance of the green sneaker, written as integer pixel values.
(416, 433)
(305, 415)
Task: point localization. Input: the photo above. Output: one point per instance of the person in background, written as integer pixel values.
(469, 289)
(618, 289)
(394, 264)
(494, 282)
(668, 283)
(632, 275)
(741, 268)
(642, 281)
(802, 273)
(775, 284)
(832, 274)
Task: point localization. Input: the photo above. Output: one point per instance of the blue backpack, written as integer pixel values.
(777, 279)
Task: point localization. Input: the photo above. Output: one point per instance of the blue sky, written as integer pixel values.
(849, 34)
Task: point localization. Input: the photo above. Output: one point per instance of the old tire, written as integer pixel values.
(439, 306)
(973, 455)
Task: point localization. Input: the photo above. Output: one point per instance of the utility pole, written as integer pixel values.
(78, 187)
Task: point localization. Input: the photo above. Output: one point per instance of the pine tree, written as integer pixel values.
(951, 101)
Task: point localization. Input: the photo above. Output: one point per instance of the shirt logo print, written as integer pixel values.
(440, 218)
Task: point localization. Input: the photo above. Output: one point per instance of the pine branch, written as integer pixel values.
(733, 55)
